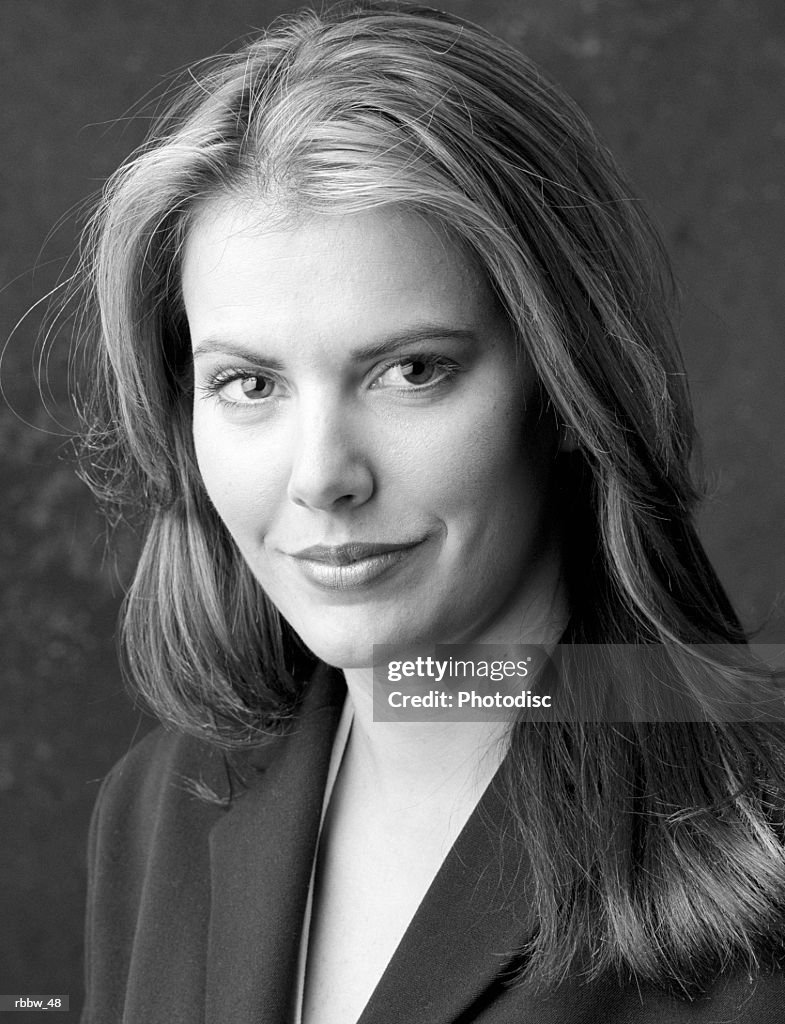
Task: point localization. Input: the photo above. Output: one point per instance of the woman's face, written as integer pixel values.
(365, 431)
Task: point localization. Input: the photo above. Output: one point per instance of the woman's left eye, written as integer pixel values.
(416, 373)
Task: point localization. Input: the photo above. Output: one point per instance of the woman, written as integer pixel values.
(384, 358)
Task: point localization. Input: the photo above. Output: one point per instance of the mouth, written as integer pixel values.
(353, 565)
(346, 554)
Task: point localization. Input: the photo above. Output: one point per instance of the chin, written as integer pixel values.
(334, 647)
(343, 656)
(352, 648)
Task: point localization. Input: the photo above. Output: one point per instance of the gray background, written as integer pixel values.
(690, 94)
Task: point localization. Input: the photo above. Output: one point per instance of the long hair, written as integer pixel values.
(655, 849)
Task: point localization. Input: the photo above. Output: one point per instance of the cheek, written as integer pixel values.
(493, 453)
(242, 480)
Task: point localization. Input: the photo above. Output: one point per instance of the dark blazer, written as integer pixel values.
(195, 911)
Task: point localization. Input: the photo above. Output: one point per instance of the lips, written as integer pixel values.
(351, 566)
(346, 554)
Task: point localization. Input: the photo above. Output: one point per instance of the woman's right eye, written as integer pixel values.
(249, 388)
(239, 387)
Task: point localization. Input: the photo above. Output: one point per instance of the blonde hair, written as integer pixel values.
(383, 103)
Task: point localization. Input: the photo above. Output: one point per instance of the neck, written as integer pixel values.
(441, 760)
(429, 760)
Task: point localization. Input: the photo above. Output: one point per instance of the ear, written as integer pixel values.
(568, 439)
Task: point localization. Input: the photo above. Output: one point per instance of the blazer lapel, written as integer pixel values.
(261, 857)
(467, 931)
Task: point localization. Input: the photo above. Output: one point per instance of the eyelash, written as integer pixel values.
(219, 379)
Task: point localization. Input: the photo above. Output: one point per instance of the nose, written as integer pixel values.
(331, 465)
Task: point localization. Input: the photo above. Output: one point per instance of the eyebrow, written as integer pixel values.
(417, 334)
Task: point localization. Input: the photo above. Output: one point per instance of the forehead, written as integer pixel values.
(242, 261)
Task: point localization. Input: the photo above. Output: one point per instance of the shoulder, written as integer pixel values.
(171, 784)
(149, 798)
(159, 762)
(152, 764)
(148, 838)
(172, 787)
